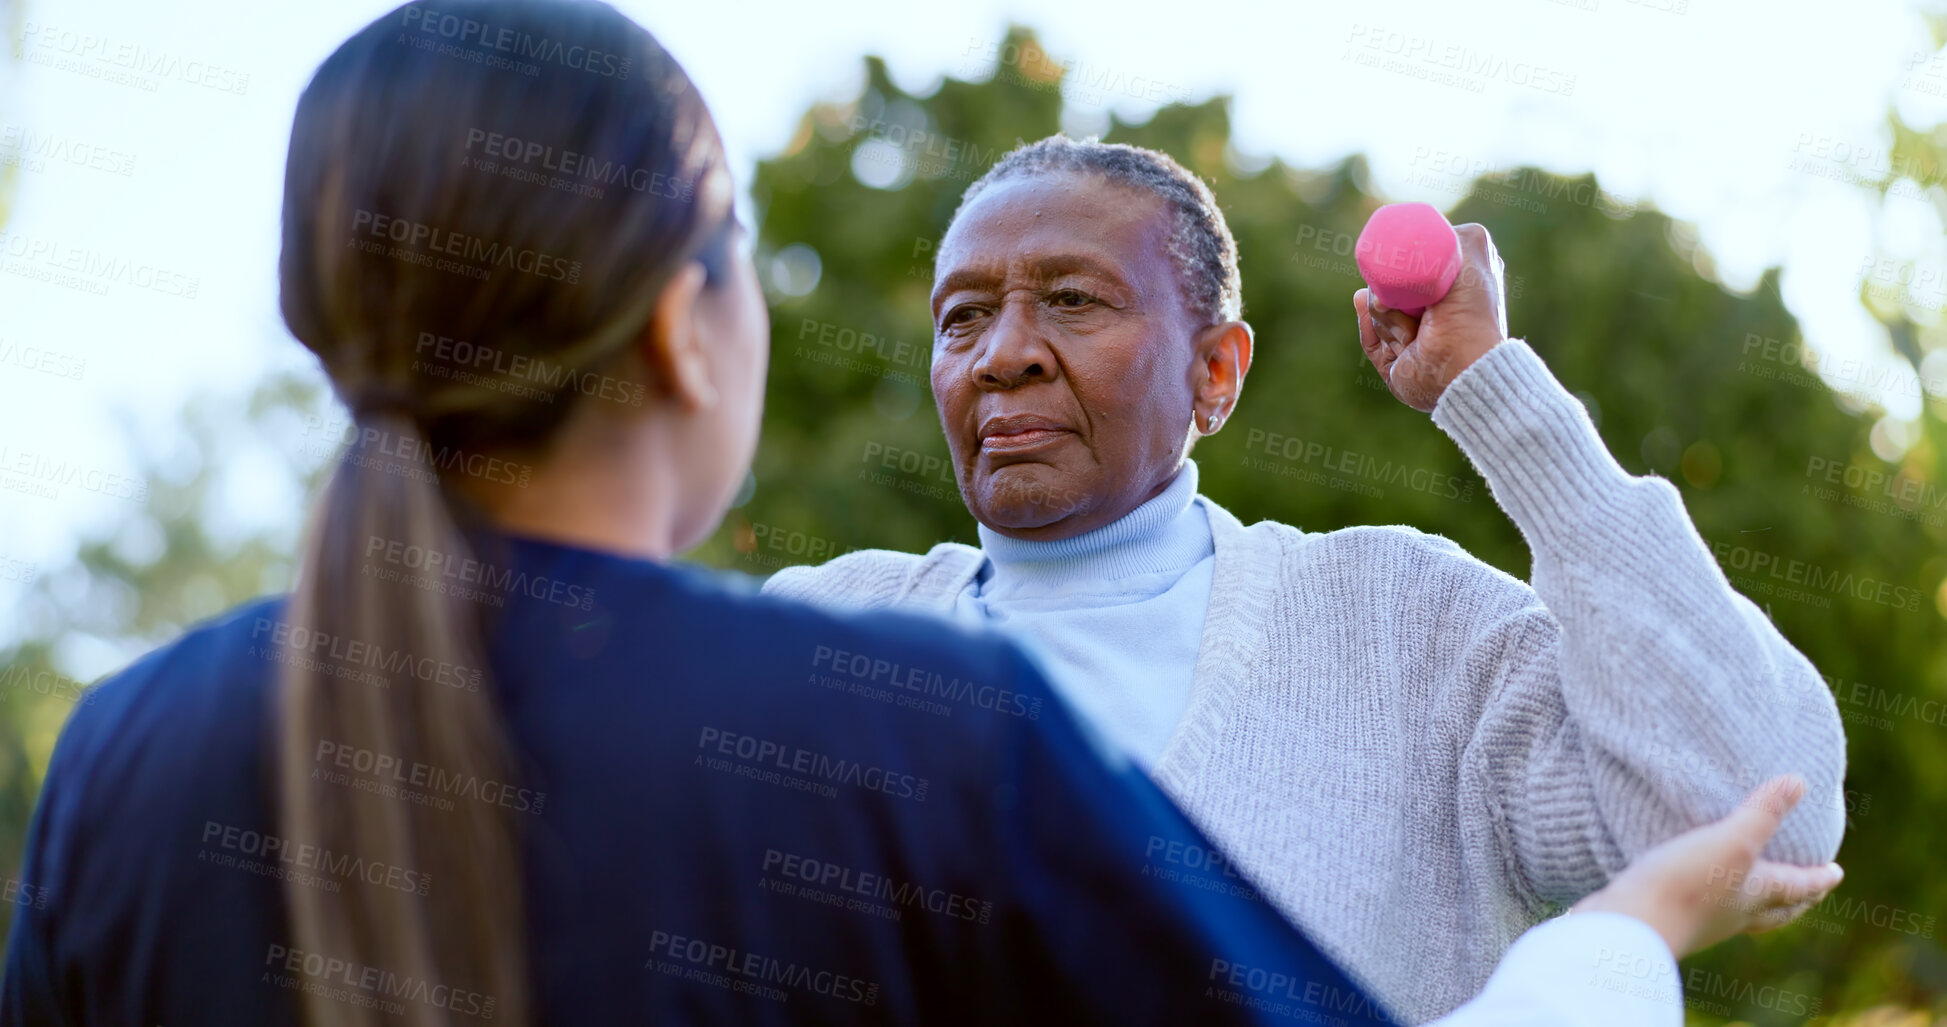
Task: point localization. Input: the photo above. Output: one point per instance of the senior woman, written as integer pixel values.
(1415, 754)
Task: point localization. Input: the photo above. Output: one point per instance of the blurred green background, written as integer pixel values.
(1687, 380)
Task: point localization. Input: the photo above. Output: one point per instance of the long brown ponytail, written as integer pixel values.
(510, 178)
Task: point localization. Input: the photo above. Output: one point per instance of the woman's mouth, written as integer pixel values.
(1021, 439)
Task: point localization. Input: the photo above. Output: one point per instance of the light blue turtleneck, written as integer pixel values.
(1115, 615)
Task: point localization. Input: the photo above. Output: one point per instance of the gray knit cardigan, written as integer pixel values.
(1417, 756)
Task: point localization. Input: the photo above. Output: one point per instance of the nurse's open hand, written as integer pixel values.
(1707, 884)
(1419, 357)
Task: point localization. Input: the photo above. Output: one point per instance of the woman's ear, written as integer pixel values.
(672, 345)
(1223, 359)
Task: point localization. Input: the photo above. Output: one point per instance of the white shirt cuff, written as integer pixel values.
(1584, 970)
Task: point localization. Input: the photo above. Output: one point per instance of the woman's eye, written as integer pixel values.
(958, 316)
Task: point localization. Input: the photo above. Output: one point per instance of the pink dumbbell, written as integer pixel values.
(1409, 256)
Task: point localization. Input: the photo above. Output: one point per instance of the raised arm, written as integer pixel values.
(1643, 696)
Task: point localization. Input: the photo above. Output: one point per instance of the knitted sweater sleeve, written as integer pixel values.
(1648, 697)
(866, 578)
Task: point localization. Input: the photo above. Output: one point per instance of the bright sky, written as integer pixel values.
(1746, 118)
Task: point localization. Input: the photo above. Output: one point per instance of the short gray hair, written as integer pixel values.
(1200, 242)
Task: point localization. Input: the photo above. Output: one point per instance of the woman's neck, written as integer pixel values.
(1160, 535)
(605, 485)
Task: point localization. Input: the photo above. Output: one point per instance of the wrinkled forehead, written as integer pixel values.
(1052, 219)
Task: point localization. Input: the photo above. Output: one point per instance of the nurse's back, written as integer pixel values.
(734, 810)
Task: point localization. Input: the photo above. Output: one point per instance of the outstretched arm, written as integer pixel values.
(1614, 962)
(1118, 888)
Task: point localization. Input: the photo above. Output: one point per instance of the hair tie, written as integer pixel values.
(384, 399)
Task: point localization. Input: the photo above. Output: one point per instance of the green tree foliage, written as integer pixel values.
(1686, 379)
